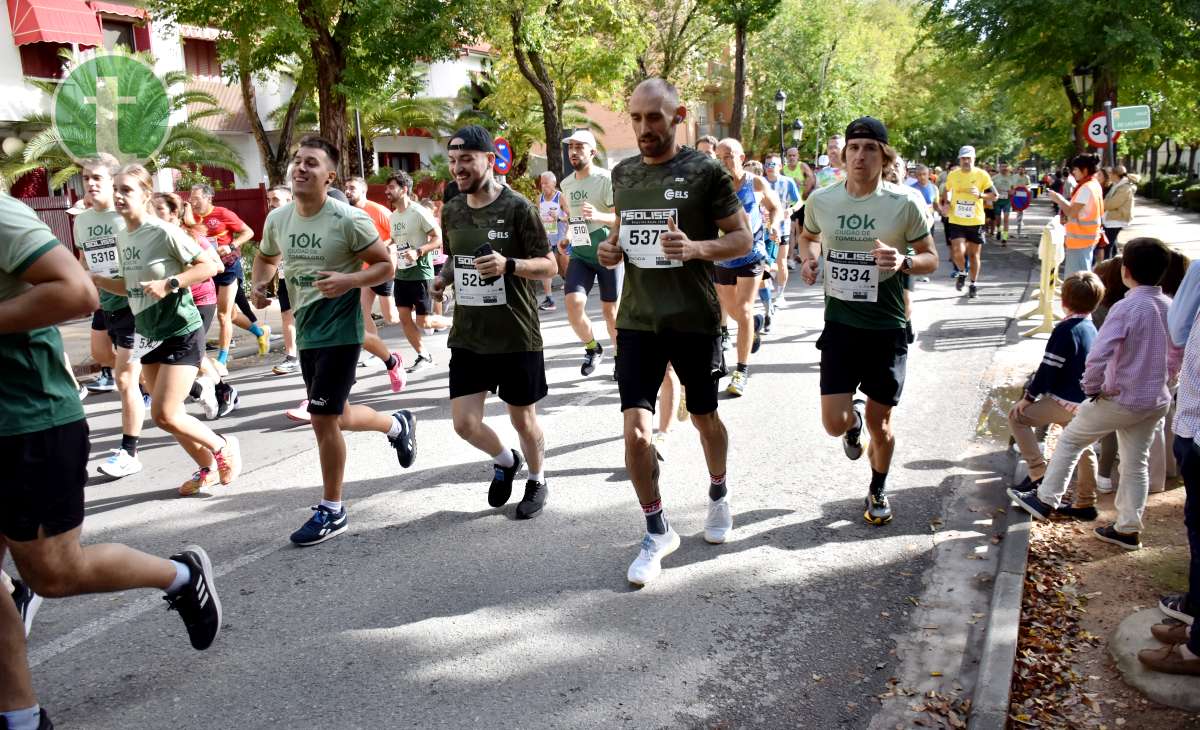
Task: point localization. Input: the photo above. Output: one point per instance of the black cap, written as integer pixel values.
(473, 138)
(867, 128)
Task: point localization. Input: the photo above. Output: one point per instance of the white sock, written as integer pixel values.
(183, 574)
(330, 504)
(26, 719)
(394, 431)
(537, 476)
(505, 458)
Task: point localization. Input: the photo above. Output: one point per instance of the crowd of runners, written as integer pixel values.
(691, 249)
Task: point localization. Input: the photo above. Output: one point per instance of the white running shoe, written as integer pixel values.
(648, 563)
(719, 521)
(1104, 485)
(208, 397)
(120, 464)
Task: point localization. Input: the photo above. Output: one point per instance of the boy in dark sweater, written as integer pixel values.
(1054, 394)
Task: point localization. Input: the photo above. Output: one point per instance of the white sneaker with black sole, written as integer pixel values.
(648, 564)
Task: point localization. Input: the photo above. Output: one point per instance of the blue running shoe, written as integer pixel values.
(323, 525)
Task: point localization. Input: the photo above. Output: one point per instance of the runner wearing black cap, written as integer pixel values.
(866, 231)
(497, 249)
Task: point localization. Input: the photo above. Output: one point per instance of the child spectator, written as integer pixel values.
(1125, 379)
(1109, 272)
(1054, 394)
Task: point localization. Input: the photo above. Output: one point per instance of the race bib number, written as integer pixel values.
(471, 290)
(550, 219)
(852, 276)
(402, 261)
(578, 233)
(143, 346)
(964, 208)
(640, 234)
(101, 256)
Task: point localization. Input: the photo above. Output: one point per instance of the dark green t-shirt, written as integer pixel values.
(36, 390)
(501, 317)
(661, 295)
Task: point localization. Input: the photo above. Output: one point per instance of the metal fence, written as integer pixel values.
(53, 212)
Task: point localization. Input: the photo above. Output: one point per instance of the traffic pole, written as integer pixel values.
(1112, 144)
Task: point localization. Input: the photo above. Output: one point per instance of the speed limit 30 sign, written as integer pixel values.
(1096, 131)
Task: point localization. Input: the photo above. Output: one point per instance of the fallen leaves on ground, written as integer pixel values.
(1046, 691)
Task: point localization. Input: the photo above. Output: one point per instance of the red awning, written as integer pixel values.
(54, 21)
(129, 11)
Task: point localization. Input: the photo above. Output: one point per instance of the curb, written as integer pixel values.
(989, 708)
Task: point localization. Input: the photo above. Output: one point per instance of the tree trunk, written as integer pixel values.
(330, 66)
(275, 159)
(1178, 156)
(1105, 89)
(739, 82)
(1077, 118)
(531, 66)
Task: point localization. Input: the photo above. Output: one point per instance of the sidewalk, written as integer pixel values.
(1179, 229)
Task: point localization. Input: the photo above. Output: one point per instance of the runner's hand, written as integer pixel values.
(490, 265)
(975, 191)
(608, 252)
(808, 271)
(333, 285)
(886, 257)
(156, 290)
(675, 243)
(258, 296)
(409, 256)
(439, 288)
(587, 211)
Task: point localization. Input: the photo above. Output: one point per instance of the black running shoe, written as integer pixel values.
(27, 602)
(325, 524)
(406, 443)
(1029, 502)
(758, 325)
(878, 509)
(960, 281)
(1126, 540)
(501, 487)
(1175, 606)
(197, 602)
(535, 498)
(591, 358)
(972, 292)
(227, 400)
(766, 328)
(852, 439)
(1082, 514)
(1028, 485)
(423, 360)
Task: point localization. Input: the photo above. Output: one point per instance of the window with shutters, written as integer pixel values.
(200, 57)
(118, 33)
(41, 60)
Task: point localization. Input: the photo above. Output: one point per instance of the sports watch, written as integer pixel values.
(906, 264)
(173, 284)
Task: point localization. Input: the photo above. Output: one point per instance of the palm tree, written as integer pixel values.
(187, 146)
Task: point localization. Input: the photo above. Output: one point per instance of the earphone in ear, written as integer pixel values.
(678, 118)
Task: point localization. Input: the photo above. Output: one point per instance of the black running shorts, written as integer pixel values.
(414, 295)
(582, 275)
(120, 327)
(384, 289)
(728, 277)
(329, 374)
(518, 377)
(98, 324)
(873, 361)
(697, 359)
(183, 350)
(972, 234)
(43, 488)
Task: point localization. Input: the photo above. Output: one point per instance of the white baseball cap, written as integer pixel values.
(966, 151)
(823, 160)
(582, 136)
(78, 208)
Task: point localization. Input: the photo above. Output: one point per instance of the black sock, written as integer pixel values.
(724, 331)
(106, 372)
(195, 391)
(743, 367)
(878, 481)
(143, 389)
(656, 520)
(129, 444)
(391, 362)
(716, 487)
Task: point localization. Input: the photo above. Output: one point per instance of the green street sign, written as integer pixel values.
(112, 103)
(1129, 118)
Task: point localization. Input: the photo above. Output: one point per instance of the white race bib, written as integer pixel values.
(964, 209)
(101, 256)
(852, 276)
(640, 234)
(402, 261)
(470, 289)
(142, 346)
(578, 233)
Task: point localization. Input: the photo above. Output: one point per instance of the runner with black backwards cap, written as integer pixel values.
(967, 189)
(498, 251)
(862, 229)
(672, 203)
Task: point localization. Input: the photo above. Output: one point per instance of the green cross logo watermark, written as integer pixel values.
(112, 103)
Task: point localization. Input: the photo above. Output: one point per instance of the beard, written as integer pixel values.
(580, 164)
(473, 185)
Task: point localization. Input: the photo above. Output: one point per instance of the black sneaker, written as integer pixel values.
(197, 602)
(1029, 502)
(1126, 540)
(614, 359)
(758, 325)
(960, 280)
(852, 439)
(591, 358)
(547, 305)
(1028, 485)
(423, 360)
(227, 400)
(972, 292)
(878, 509)
(501, 487)
(766, 328)
(1083, 514)
(406, 443)
(324, 524)
(1176, 607)
(531, 504)
(27, 602)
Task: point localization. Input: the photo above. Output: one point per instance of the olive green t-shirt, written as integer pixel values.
(501, 317)
(328, 241)
(661, 295)
(36, 391)
(410, 230)
(96, 236)
(158, 250)
(857, 293)
(596, 189)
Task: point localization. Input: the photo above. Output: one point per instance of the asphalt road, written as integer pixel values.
(435, 611)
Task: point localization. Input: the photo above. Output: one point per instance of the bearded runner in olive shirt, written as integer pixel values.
(44, 445)
(672, 205)
(862, 228)
(324, 243)
(497, 249)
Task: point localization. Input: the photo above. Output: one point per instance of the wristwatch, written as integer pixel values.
(173, 284)
(906, 264)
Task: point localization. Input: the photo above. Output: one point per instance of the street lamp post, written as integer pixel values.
(797, 133)
(924, 151)
(1081, 80)
(780, 105)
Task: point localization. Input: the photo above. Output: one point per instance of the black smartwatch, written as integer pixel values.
(906, 264)
(173, 284)
(510, 266)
